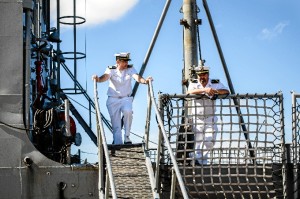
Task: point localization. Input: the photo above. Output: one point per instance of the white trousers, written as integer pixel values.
(118, 107)
(205, 131)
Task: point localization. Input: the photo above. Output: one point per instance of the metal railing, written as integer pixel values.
(102, 147)
(162, 138)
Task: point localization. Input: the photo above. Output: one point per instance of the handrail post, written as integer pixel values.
(173, 185)
(162, 134)
(146, 147)
(158, 159)
(103, 144)
(106, 186)
(100, 161)
(147, 126)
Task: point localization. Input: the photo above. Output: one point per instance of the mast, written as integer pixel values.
(189, 21)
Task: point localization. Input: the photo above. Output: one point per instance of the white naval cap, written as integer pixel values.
(202, 69)
(123, 56)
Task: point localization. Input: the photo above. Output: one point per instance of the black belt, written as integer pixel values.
(203, 117)
(119, 97)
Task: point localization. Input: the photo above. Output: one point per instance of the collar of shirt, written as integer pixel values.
(208, 85)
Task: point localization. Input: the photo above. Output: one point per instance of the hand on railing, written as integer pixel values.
(94, 77)
(148, 80)
(95, 88)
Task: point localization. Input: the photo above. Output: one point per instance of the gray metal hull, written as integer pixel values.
(42, 178)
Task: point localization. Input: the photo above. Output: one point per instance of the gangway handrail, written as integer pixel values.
(102, 143)
(167, 142)
(146, 148)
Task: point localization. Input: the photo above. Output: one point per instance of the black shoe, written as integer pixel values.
(127, 140)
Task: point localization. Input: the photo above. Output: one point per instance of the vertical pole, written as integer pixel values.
(189, 44)
(68, 133)
(28, 113)
(289, 173)
(37, 26)
(158, 154)
(107, 185)
(190, 37)
(146, 141)
(100, 164)
(283, 158)
(147, 127)
(173, 185)
(103, 146)
(75, 44)
(295, 148)
(58, 49)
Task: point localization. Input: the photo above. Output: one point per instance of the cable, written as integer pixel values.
(47, 116)
(80, 104)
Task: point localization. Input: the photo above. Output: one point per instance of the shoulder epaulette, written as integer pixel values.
(112, 67)
(215, 81)
(129, 65)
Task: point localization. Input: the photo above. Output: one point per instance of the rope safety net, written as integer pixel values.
(230, 146)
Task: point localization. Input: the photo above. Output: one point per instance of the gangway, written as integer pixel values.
(129, 171)
(231, 171)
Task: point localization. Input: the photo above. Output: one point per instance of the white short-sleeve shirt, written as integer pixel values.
(205, 107)
(120, 81)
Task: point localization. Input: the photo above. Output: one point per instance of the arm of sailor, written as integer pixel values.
(141, 80)
(102, 78)
(222, 91)
(221, 88)
(209, 91)
(215, 89)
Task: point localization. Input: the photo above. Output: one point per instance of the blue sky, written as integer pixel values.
(259, 39)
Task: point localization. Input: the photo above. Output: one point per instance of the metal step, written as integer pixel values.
(130, 171)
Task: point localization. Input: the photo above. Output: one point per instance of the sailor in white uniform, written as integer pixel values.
(119, 101)
(203, 119)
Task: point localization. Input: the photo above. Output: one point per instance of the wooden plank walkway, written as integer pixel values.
(130, 171)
